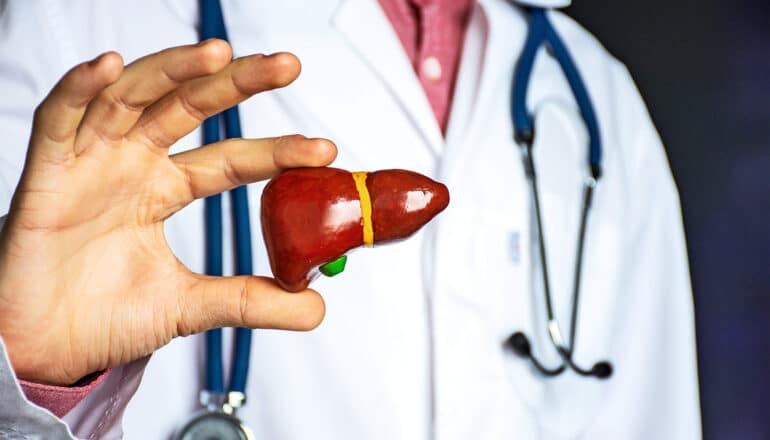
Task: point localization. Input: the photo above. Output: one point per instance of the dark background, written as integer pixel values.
(704, 70)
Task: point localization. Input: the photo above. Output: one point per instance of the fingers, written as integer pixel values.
(183, 110)
(246, 301)
(234, 162)
(58, 117)
(117, 108)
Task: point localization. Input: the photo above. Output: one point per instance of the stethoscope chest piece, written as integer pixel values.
(214, 425)
(217, 421)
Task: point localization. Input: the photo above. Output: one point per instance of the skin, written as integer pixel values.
(87, 280)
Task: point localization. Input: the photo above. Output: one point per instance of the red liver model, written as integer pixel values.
(313, 216)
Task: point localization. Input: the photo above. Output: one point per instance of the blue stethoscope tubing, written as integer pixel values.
(541, 33)
(213, 26)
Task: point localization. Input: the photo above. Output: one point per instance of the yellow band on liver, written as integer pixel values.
(366, 207)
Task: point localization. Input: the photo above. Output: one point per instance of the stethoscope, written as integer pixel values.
(541, 32)
(218, 419)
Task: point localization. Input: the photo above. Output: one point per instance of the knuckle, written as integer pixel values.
(117, 102)
(247, 285)
(184, 323)
(183, 98)
(244, 86)
(153, 134)
(283, 156)
(188, 190)
(168, 76)
(231, 172)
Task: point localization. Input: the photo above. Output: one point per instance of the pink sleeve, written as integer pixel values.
(60, 400)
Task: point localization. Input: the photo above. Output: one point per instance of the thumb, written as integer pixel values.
(246, 301)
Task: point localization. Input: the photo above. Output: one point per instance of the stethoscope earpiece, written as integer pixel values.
(519, 343)
(602, 370)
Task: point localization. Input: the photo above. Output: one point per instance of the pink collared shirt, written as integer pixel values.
(432, 33)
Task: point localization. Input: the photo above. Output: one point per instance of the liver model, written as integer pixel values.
(311, 217)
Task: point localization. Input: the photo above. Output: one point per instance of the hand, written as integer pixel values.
(87, 280)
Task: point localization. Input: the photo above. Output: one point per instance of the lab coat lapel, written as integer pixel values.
(476, 90)
(368, 32)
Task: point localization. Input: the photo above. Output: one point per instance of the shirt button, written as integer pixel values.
(431, 68)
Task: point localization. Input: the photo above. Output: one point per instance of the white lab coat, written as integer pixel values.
(412, 344)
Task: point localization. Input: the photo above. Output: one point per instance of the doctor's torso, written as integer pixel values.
(412, 343)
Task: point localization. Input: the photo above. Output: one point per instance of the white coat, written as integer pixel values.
(412, 343)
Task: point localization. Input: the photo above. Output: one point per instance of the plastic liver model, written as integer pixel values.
(311, 217)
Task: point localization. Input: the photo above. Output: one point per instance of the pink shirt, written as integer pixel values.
(432, 33)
